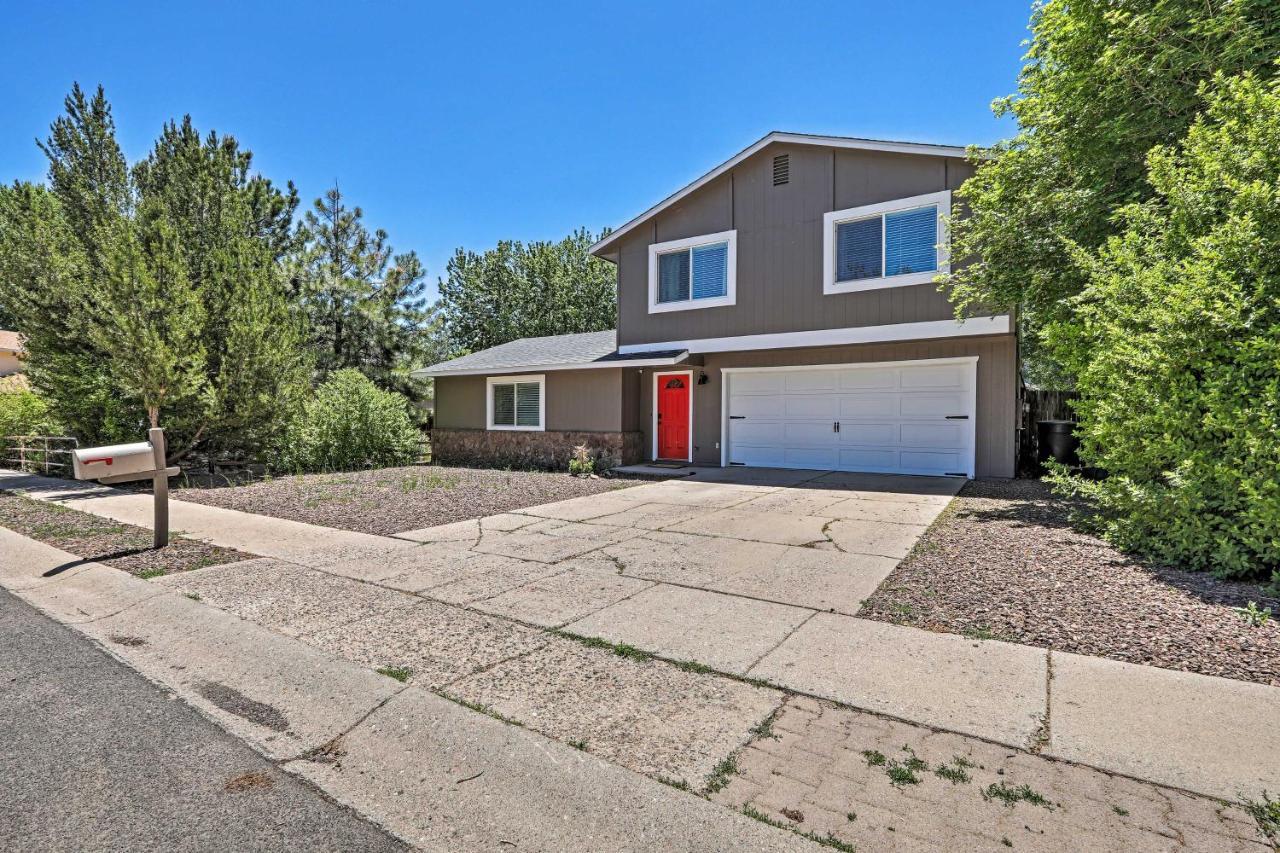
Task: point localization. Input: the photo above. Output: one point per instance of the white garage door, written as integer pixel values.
(902, 418)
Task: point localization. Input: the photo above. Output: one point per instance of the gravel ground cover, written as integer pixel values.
(1003, 562)
(392, 500)
(102, 540)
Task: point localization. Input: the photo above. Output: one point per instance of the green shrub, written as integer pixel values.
(350, 423)
(1176, 349)
(24, 412)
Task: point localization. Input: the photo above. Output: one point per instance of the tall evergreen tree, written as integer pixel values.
(516, 291)
(365, 304)
(153, 295)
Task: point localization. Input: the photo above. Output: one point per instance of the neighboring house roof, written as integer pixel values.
(557, 352)
(790, 139)
(10, 342)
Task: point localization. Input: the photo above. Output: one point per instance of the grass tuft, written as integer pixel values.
(721, 774)
(399, 673)
(1266, 812)
(1011, 796)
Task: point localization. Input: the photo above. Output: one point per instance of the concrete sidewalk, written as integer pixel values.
(779, 610)
(435, 773)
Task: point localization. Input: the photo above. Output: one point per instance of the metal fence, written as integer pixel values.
(41, 454)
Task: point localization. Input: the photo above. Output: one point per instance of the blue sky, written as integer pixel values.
(460, 124)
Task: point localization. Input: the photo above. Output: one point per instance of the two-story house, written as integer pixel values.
(779, 311)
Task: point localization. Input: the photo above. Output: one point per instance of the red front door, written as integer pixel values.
(673, 416)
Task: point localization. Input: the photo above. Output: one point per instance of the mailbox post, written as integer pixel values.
(126, 463)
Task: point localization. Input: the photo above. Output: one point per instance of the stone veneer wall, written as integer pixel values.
(526, 449)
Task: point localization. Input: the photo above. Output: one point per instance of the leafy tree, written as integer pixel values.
(153, 294)
(1175, 340)
(516, 291)
(366, 304)
(1104, 81)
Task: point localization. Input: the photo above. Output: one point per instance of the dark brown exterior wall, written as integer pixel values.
(996, 403)
(779, 272)
(582, 407)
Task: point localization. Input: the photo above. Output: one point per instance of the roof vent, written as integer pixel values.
(781, 170)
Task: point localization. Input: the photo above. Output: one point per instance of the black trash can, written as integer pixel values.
(1056, 440)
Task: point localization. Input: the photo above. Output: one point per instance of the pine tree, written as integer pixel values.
(365, 304)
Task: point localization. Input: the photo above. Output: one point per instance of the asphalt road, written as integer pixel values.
(94, 757)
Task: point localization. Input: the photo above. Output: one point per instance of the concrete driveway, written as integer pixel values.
(808, 539)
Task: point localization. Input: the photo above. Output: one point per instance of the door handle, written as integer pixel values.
(835, 426)
(737, 417)
(957, 417)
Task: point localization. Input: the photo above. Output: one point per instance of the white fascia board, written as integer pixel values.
(425, 373)
(973, 326)
(790, 139)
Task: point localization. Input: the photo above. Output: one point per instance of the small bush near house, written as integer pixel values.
(1176, 349)
(24, 412)
(350, 423)
(581, 464)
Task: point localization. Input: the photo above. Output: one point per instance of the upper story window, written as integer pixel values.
(892, 244)
(697, 272)
(516, 402)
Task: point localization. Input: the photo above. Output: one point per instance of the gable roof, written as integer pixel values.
(557, 352)
(791, 139)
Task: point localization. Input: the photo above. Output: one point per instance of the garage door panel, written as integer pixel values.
(765, 456)
(924, 461)
(934, 405)
(811, 457)
(823, 406)
(867, 379)
(810, 432)
(948, 434)
(858, 433)
(756, 432)
(767, 406)
(868, 459)
(856, 406)
(891, 418)
(934, 377)
(810, 381)
(757, 383)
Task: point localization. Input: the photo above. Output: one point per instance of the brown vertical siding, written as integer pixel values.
(996, 403)
(779, 272)
(576, 400)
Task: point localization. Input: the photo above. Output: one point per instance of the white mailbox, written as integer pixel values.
(93, 463)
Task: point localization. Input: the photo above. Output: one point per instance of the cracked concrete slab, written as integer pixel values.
(805, 577)
(445, 777)
(1147, 722)
(722, 631)
(581, 508)
(96, 592)
(757, 527)
(438, 643)
(188, 646)
(648, 716)
(576, 588)
(26, 563)
(883, 538)
(898, 512)
(686, 493)
(985, 688)
(796, 501)
(552, 540)
(502, 574)
(288, 598)
(653, 516)
(431, 565)
(458, 531)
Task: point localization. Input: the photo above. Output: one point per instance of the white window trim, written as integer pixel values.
(731, 273)
(688, 374)
(836, 217)
(490, 381)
